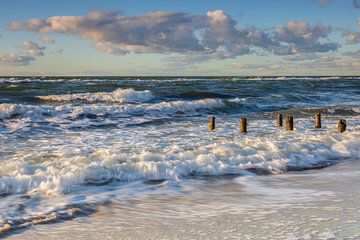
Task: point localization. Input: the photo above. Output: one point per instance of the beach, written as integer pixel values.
(132, 158)
(314, 204)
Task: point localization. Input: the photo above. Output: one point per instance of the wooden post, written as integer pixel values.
(289, 123)
(243, 125)
(279, 120)
(317, 120)
(341, 125)
(211, 123)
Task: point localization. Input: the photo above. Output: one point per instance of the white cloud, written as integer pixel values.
(265, 66)
(353, 54)
(353, 37)
(48, 40)
(31, 50)
(211, 35)
(304, 38)
(15, 59)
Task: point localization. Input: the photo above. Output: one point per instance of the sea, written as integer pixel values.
(132, 157)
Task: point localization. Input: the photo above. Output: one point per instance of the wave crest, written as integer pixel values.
(118, 96)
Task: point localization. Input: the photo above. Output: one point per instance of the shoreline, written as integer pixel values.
(296, 205)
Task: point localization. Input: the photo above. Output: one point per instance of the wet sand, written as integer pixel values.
(314, 204)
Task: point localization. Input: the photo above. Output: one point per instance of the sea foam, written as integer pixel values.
(67, 171)
(66, 111)
(117, 96)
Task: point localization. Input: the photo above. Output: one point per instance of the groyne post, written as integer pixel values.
(289, 123)
(211, 123)
(243, 125)
(279, 120)
(341, 125)
(317, 120)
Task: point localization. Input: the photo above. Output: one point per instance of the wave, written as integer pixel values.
(118, 96)
(334, 110)
(69, 111)
(10, 110)
(64, 174)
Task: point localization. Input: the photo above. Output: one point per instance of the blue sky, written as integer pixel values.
(180, 37)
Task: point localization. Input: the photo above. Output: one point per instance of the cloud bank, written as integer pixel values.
(213, 35)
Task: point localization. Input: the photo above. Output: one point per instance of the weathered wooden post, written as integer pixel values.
(279, 120)
(317, 120)
(341, 125)
(212, 123)
(289, 123)
(243, 125)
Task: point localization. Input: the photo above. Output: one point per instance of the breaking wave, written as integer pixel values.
(118, 96)
(70, 111)
(63, 174)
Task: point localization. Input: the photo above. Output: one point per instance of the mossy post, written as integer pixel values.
(317, 120)
(289, 123)
(279, 120)
(211, 123)
(243, 125)
(341, 125)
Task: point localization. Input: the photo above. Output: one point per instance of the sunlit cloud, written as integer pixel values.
(353, 37)
(48, 40)
(23, 58)
(213, 35)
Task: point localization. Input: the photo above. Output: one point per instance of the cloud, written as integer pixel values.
(15, 59)
(353, 54)
(324, 2)
(48, 40)
(301, 37)
(356, 3)
(214, 35)
(31, 50)
(266, 66)
(60, 51)
(310, 57)
(358, 23)
(348, 64)
(182, 61)
(352, 37)
(302, 57)
(155, 32)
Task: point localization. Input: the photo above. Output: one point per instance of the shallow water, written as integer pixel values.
(315, 204)
(70, 147)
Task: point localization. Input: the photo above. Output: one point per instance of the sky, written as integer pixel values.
(180, 37)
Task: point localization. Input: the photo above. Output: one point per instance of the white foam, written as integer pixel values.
(162, 109)
(9, 110)
(68, 170)
(117, 96)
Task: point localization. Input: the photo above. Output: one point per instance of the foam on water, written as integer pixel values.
(117, 96)
(66, 150)
(10, 110)
(65, 171)
(51, 183)
(66, 111)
